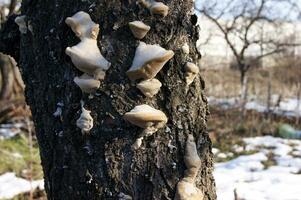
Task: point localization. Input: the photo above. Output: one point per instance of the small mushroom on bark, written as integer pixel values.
(148, 118)
(85, 121)
(20, 20)
(192, 71)
(185, 48)
(82, 25)
(155, 7)
(149, 87)
(148, 61)
(186, 188)
(87, 83)
(86, 55)
(139, 29)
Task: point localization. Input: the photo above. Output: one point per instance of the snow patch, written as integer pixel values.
(10, 185)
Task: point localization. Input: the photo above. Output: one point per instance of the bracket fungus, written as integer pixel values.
(20, 20)
(149, 87)
(87, 83)
(186, 188)
(191, 72)
(185, 48)
(92, 63)
(148, 118)
(139, 29)
(82, 25)
(148, 61)
(155, 7)
(85, 121)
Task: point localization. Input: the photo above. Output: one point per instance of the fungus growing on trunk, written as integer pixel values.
(87, 83)
(83, 26)
(155, 7)
(85, 121)
(148, 118)
(148, 61)
(192, 71)
(185, 48)
(91, 63)
(186, 188)
(21, 23)
(139, 29)
(149, 87)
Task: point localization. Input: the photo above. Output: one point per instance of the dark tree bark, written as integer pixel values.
(102, 165)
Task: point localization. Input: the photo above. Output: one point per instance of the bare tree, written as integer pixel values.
(239, 22)
(103, 164)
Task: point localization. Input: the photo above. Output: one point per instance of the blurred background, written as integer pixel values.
(251, 63)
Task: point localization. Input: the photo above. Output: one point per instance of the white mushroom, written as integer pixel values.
(185, 48)
(188, 191)
(87, 58)
(82, 25)
(149, 87)
(148, 118)
(186, 188)
(86, 55)
(139, 29)
(21, 23)
(192, 71)
(155, 7)
(87, 83)
(148, 61)
(85, 121)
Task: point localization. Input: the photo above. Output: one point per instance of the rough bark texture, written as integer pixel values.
(102, 164)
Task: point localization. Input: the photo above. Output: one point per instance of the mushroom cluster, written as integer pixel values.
(93, 64)
(186, 188)
(148, 61)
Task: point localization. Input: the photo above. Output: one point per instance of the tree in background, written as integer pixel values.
(238, 21)
(103, 164)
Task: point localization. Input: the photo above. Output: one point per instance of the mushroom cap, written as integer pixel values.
(82, 25)
(139, 29)
(87, 83)
(91, 62)
(148, 61)
(191, 158)
(159, 8)
(146, 116)
(20, 21)
(192, 68)
(188, 191)
(85, 121)
(149, 87)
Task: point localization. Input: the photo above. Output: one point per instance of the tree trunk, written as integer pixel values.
(102, 165)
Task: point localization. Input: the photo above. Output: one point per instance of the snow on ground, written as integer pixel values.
(255, 181)
(10, 185)
(287, 107)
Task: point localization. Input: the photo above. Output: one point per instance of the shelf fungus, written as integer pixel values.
(139, 29)
(185, 48)
(186, 188)
(20, 21)
(85, 121)
(192, 71)
(87, 83)
(82, 25)
(86, 55)
(149, 87)
(155, 7)
(148, 118)
(148, 61)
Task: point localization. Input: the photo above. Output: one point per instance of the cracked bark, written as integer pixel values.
(102, 164)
